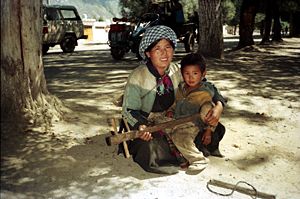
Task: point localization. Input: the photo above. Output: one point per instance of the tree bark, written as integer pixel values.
(272, 12)
(294, 28)
(24, 94)
(277, 26)
(268, 23)
(210, 28)
(247, 20)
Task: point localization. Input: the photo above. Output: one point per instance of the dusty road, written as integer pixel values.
(261, 145)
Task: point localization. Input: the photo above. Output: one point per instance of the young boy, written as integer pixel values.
(194, 96)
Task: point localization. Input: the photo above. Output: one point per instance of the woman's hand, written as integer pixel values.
(146, 136)
(213, 116)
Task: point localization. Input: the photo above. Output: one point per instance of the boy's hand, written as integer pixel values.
(170, 114)
(213, 116)
(146, 136)
(206, 138)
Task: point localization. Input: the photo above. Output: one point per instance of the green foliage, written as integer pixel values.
(284, 24)
(189, 7)
(259, 21)
(228, 11)
(101, 19)
(236, 19)
(290, 5)
(259, 17)
(133, 8)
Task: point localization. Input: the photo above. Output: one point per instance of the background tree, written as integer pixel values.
(210, 28)
(228, 11)
(271, 13)
(24, 94)
(133, 8)
(290, 11)
(236, 19)
(247, 22)
(189, 7)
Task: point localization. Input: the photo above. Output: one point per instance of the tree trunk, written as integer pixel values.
(291, 26)
(210, 28)
(294, 28)
(272, 12)
(268, 23)
(24, 94)
(247, 20)
(277, 26)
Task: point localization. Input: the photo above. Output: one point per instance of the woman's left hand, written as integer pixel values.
(213, 116)
(146, 136)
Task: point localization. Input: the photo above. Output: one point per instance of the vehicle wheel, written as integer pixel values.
(68, 44)
(117, 53)
(45, 49)
(189, 42)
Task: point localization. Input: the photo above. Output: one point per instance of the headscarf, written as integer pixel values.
(155, 33)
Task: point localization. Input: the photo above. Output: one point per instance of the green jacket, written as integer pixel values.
(140, 90)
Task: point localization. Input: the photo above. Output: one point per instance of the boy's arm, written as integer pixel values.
(205, 109)
(213, 116)
(209, 129)
(217, 97)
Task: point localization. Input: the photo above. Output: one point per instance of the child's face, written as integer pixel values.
(192, 75)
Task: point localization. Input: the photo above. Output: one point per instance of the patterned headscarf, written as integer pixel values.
(155, 33)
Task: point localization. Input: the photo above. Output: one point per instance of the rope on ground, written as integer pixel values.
(234, 188)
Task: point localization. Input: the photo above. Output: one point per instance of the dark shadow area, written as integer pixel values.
(263, 73)
(59, 171)
(82, 79)
(255, 159)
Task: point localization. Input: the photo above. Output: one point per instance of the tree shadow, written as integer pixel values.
(252, 159)
(46, 165)
(42, 164)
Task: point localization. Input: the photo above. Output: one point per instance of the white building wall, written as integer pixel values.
(100, 30)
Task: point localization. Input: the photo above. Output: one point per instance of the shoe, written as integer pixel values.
(217, 153)
(184, 165)
(205, 151)
(196, 168)
(169, 170)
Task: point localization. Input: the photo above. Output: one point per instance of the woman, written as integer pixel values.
(150, 90)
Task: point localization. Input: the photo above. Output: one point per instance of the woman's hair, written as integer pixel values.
(193, 59)
(156, 42)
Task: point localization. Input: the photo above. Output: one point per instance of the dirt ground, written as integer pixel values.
(71, 160)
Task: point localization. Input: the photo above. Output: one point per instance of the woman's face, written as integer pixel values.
(161, 55)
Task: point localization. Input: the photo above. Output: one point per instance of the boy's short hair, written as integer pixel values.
(193, 59)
